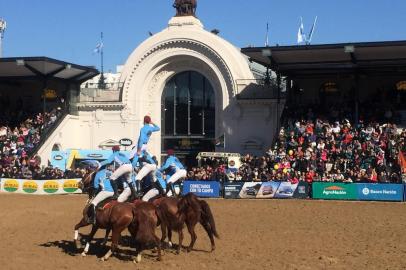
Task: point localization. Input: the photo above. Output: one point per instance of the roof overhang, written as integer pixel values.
(44, 68)
(367, 57)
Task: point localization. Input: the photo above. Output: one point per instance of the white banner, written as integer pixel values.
(40, 187)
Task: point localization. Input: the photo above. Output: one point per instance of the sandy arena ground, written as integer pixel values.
(36, 233)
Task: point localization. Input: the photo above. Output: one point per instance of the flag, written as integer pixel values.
(301, 37)
(99, 47)
(312, 30)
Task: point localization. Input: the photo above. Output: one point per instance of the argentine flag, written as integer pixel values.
(301, 37)
(98, 48)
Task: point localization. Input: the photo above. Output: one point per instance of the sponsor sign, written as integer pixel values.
(40, 187)
(334, 191)
(232, 190)
(302, 191)
(286, 190)
(125, 142)
(268, 190)
(380, 192)
(202, 188)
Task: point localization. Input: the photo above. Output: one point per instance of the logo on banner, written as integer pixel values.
(301, 189)
(125, 142)
(70, 186)
(30, 186)
(334, 190)
(51, 186)
(365, 191)
(11, 185)
(58, 157)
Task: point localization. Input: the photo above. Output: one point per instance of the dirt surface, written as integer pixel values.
(37, 231)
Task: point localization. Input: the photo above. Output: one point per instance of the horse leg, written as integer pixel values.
(89, 239)
(81, 224)
(191, 229)
(115, 237)
(180, 232)
(138, 249)
(170, 238)
(106, 237)
(158, 244)
(209, 232)
(163, 233)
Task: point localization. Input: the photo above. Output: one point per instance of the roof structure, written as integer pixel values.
(304, 60)
(44, 68)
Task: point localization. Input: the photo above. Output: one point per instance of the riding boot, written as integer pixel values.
(138, 186)
(133, 191)
(160, 189)
(115, 189)
(169, 187)
(92, 213)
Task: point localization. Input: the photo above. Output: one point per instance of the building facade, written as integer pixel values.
(189, 81)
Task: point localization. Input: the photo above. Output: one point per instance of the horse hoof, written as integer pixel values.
(137, 259)
(102, 259)
(170, 245)
(83, 254)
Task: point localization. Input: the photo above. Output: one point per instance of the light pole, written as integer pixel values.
(3, 26)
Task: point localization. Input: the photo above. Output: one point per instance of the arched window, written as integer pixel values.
(188, 113)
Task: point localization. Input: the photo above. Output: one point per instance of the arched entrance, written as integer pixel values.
(188, 115)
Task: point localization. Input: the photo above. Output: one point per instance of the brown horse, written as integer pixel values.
(174, 213)
(136, 216)
(193, 210)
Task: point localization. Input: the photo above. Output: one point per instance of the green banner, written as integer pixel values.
(334, 191)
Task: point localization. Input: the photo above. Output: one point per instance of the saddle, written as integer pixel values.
(106, 204)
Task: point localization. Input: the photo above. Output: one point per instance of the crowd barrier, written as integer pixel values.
(40, 187)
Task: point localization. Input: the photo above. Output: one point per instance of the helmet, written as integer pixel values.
(116, 148)
(170, 152)
(147, 119)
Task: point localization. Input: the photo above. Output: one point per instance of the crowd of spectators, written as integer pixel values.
(20, 133)
(323, 146)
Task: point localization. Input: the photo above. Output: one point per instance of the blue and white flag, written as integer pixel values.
(312, 30)
(99, 47)
(301, 37)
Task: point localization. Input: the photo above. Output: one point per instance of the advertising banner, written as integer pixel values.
(302, 190)
(334, 191)
(286, 190)
(380, 192)
(250, 190)
(210, 189)
(232, 190)
(40, 187)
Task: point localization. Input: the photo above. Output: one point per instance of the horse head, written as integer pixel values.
(86, 184)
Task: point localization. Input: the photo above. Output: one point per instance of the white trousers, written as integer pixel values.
(123, 169)
(150, 194)
(124, 195)
(134, 151)
(146, 169)
(176, 176)
(101, 197)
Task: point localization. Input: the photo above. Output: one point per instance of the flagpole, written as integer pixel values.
(267, 35)
(101, 80)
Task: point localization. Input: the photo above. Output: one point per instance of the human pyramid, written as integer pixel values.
(120, 167)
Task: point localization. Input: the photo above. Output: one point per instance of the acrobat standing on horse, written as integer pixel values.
(177, 171)
(141, 152)
(122, 166)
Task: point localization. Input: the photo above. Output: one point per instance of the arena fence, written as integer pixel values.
(40, 187)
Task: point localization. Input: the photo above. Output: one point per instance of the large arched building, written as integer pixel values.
(194, 84)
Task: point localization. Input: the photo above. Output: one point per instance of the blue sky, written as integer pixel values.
(69, 30)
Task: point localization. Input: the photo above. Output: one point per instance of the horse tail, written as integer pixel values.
(208, 218)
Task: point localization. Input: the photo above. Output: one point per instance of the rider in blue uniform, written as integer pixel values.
(122, 166)
(141, 151)
(173, 164)
(102, 184)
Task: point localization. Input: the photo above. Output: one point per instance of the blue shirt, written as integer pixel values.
(172, 163)
(145, 134)
(118, 158)
(160, 179)
(101, 180)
